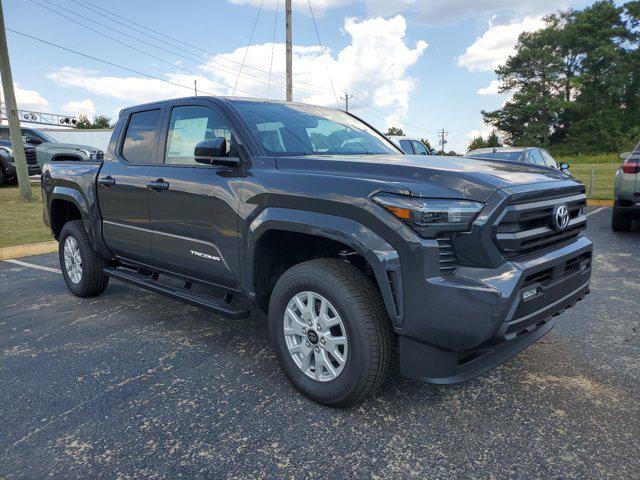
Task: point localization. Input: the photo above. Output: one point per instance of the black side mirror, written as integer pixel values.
(214, 152)
(33, 140)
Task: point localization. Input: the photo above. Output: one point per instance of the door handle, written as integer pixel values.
(107, 181)
(158, 185)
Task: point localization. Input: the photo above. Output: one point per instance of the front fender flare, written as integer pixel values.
(382, 258)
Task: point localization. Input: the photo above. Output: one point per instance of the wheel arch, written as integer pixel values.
(67, 204)
(313, 231)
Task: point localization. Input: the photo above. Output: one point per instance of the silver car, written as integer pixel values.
(626, 191)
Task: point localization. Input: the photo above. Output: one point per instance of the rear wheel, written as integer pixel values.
(81, 266)
(3, 177)
(330, 331)
(620, 221)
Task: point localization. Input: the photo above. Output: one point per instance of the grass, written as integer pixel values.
(604, 175)
(589, 159)
(21, 222)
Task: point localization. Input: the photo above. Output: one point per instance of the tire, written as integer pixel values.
(357, 303)
(92, 281)
(3, 177)
(620, 222)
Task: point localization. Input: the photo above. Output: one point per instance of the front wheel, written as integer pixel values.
(81, 266)
(330, 331)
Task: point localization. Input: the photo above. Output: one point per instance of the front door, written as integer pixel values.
(122, 188)
(194, 207)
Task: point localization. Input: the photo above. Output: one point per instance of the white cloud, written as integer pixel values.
(131, 89)
(427, 11)
(492, 49)
(80, 107)
(492, 89)
(28, 99)
(373, 66)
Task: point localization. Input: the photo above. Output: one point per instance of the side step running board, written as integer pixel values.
(218, 306)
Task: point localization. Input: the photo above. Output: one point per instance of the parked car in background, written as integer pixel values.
(529, 155)
(411, 145)
(7, 163)
(48, 149)
(626, 191)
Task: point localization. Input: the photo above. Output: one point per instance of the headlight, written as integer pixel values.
(428, 216)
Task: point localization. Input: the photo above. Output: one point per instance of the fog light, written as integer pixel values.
(528, 294)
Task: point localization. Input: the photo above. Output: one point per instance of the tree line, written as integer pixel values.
(575, 84)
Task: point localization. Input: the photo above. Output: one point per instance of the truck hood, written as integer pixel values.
(65, 146)
(433, 176)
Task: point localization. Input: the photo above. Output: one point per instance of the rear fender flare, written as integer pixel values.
(382, 258)
(73, 196)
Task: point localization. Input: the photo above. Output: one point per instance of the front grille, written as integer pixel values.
(30, 154)
(528, 227)
(446, 256)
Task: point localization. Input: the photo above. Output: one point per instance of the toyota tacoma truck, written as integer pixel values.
(355, 251)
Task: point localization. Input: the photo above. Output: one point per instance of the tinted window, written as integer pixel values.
(292, 129)
(536, 158)
(406, 147)
(189, 126)
(548, 159)
(419, 148)
(139, 145)
(506, 156)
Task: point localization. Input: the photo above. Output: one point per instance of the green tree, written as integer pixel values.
(395, 131)
(575, 84)
(99, 121)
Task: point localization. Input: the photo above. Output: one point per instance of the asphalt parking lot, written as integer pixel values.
(134, 385)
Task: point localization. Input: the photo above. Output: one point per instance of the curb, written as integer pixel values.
(594, 202)
(20, 251)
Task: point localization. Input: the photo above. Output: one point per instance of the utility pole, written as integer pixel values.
(195, 87)
(346, 101)
(289, 53)
(12, 116)
(443, 135)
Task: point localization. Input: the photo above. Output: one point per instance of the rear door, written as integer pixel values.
(194, 214)
(122, 187)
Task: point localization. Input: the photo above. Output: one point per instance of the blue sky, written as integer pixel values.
(424, 65)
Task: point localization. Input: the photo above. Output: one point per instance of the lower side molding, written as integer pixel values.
(208, 302)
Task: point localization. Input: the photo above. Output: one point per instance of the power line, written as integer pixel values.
(106, 62)
(246, 50)
(224, 68)
(92, 7)
(315, 25)
(371, 107)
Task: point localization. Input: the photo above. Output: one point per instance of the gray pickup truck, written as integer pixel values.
(48, 149)
(352, 249)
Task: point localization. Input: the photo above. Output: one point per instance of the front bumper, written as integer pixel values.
(479, 318)
(33, 169)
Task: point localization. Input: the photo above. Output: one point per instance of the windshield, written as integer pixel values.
(288, 129)
(41, 134)
(506, 156)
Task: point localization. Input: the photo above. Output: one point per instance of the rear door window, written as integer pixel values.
(139, 146)
(406, 147)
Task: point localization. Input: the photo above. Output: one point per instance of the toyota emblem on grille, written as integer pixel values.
(561, 217)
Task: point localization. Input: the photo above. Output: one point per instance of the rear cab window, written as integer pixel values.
(139, 145)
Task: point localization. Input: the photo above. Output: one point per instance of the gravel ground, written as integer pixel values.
(134, 385)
